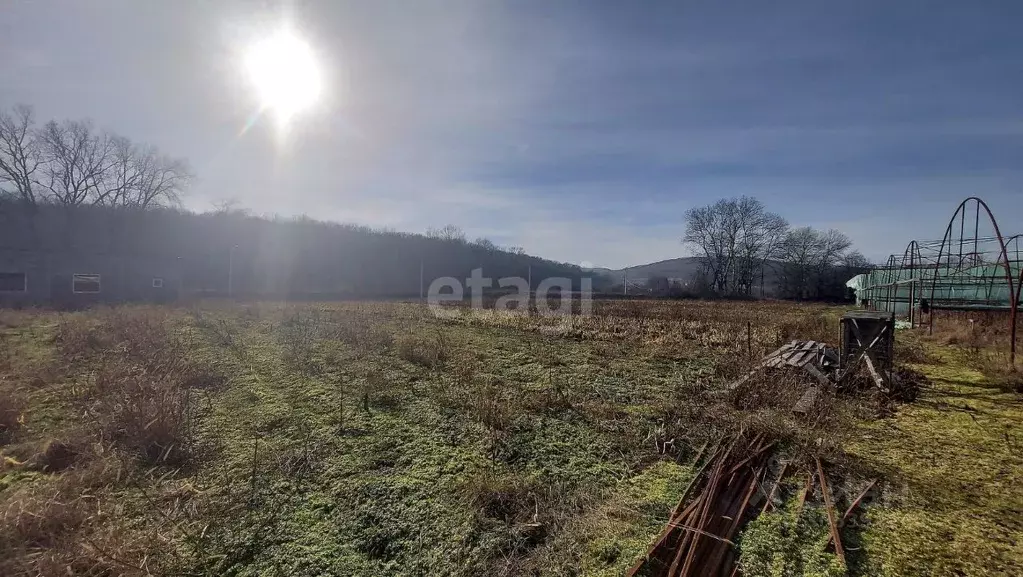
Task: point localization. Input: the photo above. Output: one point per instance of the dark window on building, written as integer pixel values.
(85, 283)
(13, 282)
(157, 282)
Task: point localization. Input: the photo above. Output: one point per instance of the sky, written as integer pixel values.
(579, 130)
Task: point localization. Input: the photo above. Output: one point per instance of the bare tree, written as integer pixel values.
(485, 244)
(658, 285)
(75, 161)
(734, 238)
(707, 230)
(71, 163)
(832, 248)
(82, 166)
(162, 179)
(761, 234)
(814, 262)
(855, 261)
(123, 175)
(19, 153)
(799, 253)
(448, 232)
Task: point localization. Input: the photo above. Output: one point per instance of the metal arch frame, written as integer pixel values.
(889, 281)
(1008, 242)
(1019, 286)
(913, 250)
(1013, 289)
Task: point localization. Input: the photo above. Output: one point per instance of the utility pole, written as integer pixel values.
(230, 270)
(181, 279)
(529, 292)
(420, 281)
(625, 281)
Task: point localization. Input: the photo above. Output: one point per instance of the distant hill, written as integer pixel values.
(683, 270)
(675, 268)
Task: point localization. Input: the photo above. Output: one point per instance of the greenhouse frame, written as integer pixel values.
(972, 268)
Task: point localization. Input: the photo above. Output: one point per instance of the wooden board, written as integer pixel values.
(810, 356)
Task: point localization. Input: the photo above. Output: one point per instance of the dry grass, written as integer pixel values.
(12, 411)
(494, 442)
(140, 393)
(525, 513)
(63, 525)
(509, 498)
(985, 335)
(144, 412)
(129, 378)
(376, 390)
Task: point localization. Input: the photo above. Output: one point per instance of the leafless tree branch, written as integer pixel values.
(19, 152)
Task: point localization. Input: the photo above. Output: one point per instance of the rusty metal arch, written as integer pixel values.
(1014, 239)
(889, 269)
(1004, 260)
(912, 253)
(1019, 283)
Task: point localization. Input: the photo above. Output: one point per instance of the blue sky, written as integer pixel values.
(581, 131)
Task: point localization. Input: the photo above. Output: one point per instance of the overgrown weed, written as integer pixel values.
(429, 350)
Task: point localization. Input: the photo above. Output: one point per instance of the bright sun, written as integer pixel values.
(283, 70)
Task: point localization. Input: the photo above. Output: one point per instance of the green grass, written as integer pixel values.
(954, 459)
(382, 493)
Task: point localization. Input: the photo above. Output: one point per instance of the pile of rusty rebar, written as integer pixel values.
(725, 494)
(733, 486)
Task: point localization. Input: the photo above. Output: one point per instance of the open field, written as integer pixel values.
(375, 439)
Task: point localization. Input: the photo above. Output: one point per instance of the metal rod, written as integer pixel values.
(836, 537)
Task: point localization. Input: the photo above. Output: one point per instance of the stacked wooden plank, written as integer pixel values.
(812, 357)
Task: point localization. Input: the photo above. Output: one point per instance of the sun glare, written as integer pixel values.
(285, 74)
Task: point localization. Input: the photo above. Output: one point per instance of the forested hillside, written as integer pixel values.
(267, 255)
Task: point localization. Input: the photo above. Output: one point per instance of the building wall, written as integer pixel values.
(36, 283)
(122, 277)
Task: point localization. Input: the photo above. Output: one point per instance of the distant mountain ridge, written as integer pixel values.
(684, 270)
(676, 268)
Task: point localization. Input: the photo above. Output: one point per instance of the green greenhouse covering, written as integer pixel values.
(982, 286)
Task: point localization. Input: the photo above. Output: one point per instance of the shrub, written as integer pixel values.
(297, 335)
(57, 456)
(489, 404)
(38, 518)
(150, 415)
(77, 337)
(427, 351)
(146, 413)
(378, 391)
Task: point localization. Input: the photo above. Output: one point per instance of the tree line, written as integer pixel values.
(66, 176)
(740, 243)
(72, 163)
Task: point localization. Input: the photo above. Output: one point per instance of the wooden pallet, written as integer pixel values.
(868, 339)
